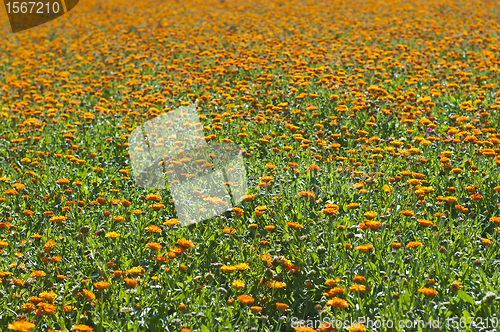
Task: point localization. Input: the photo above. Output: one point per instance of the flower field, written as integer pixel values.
(370, 141)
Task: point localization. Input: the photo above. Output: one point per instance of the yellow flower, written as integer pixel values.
(255, 309)
(48, 296)
(275, 284)
(450, 199)
(372, 224)
(88, 294)
(112, 235)
(21, 326)
(485, 241)
(82, 328)
(424, 222)
(371, 214)
(153, 197)
(357, 288)
(101, 285)
(428, 291)
(294, 225)
(238, 284)
(171, 222)
(45, 309)
(153, 246)
(58, 219)
(185, 243)
(281, 306)
(38, 274)
(334, 292)
(413, 244)
(337, 303)
(456, 285)
(365, 247)
(358, 327)
(246, 299)
(130, 282)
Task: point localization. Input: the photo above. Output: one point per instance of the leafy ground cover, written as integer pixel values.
(369, 130)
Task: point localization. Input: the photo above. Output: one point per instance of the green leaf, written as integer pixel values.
(204, 328)
(466, 297)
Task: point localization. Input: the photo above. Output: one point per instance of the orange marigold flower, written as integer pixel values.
(358, 279)
(407, 213)
(266, 178)
(365, 247)
(48, 296)
(28, 307)
(17, 282)
(248, 197)
(185, 243)
(58, 219)
(307, 194)
(428, 291)
(130, 282)
(495, 220)
(238, 212)
(485, 241)
(82, 328)
(45, 309)
(275, 284)
(153, 229)
(352, 205)
(113, 235)
(314, 168)
(4, 225)
(456, 285)
(101, 285)
(304, 329)
(21, 326)
(153, 197)
(172, 222)
(358, 327)
(294, 225)
(331, 282)
(424, 222)
(357, 288)
(372, 224)
(238, 284)
(246, 299)
(156, 206)
(396, 245)
(153, 246)
(476, 197)
(38, 274)
(337, 303)
(88, 294)
(371, 214)
(413, 244)
(281, 306)
(450, 199)
(330, 211)
(334, 292)
(255, 309)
